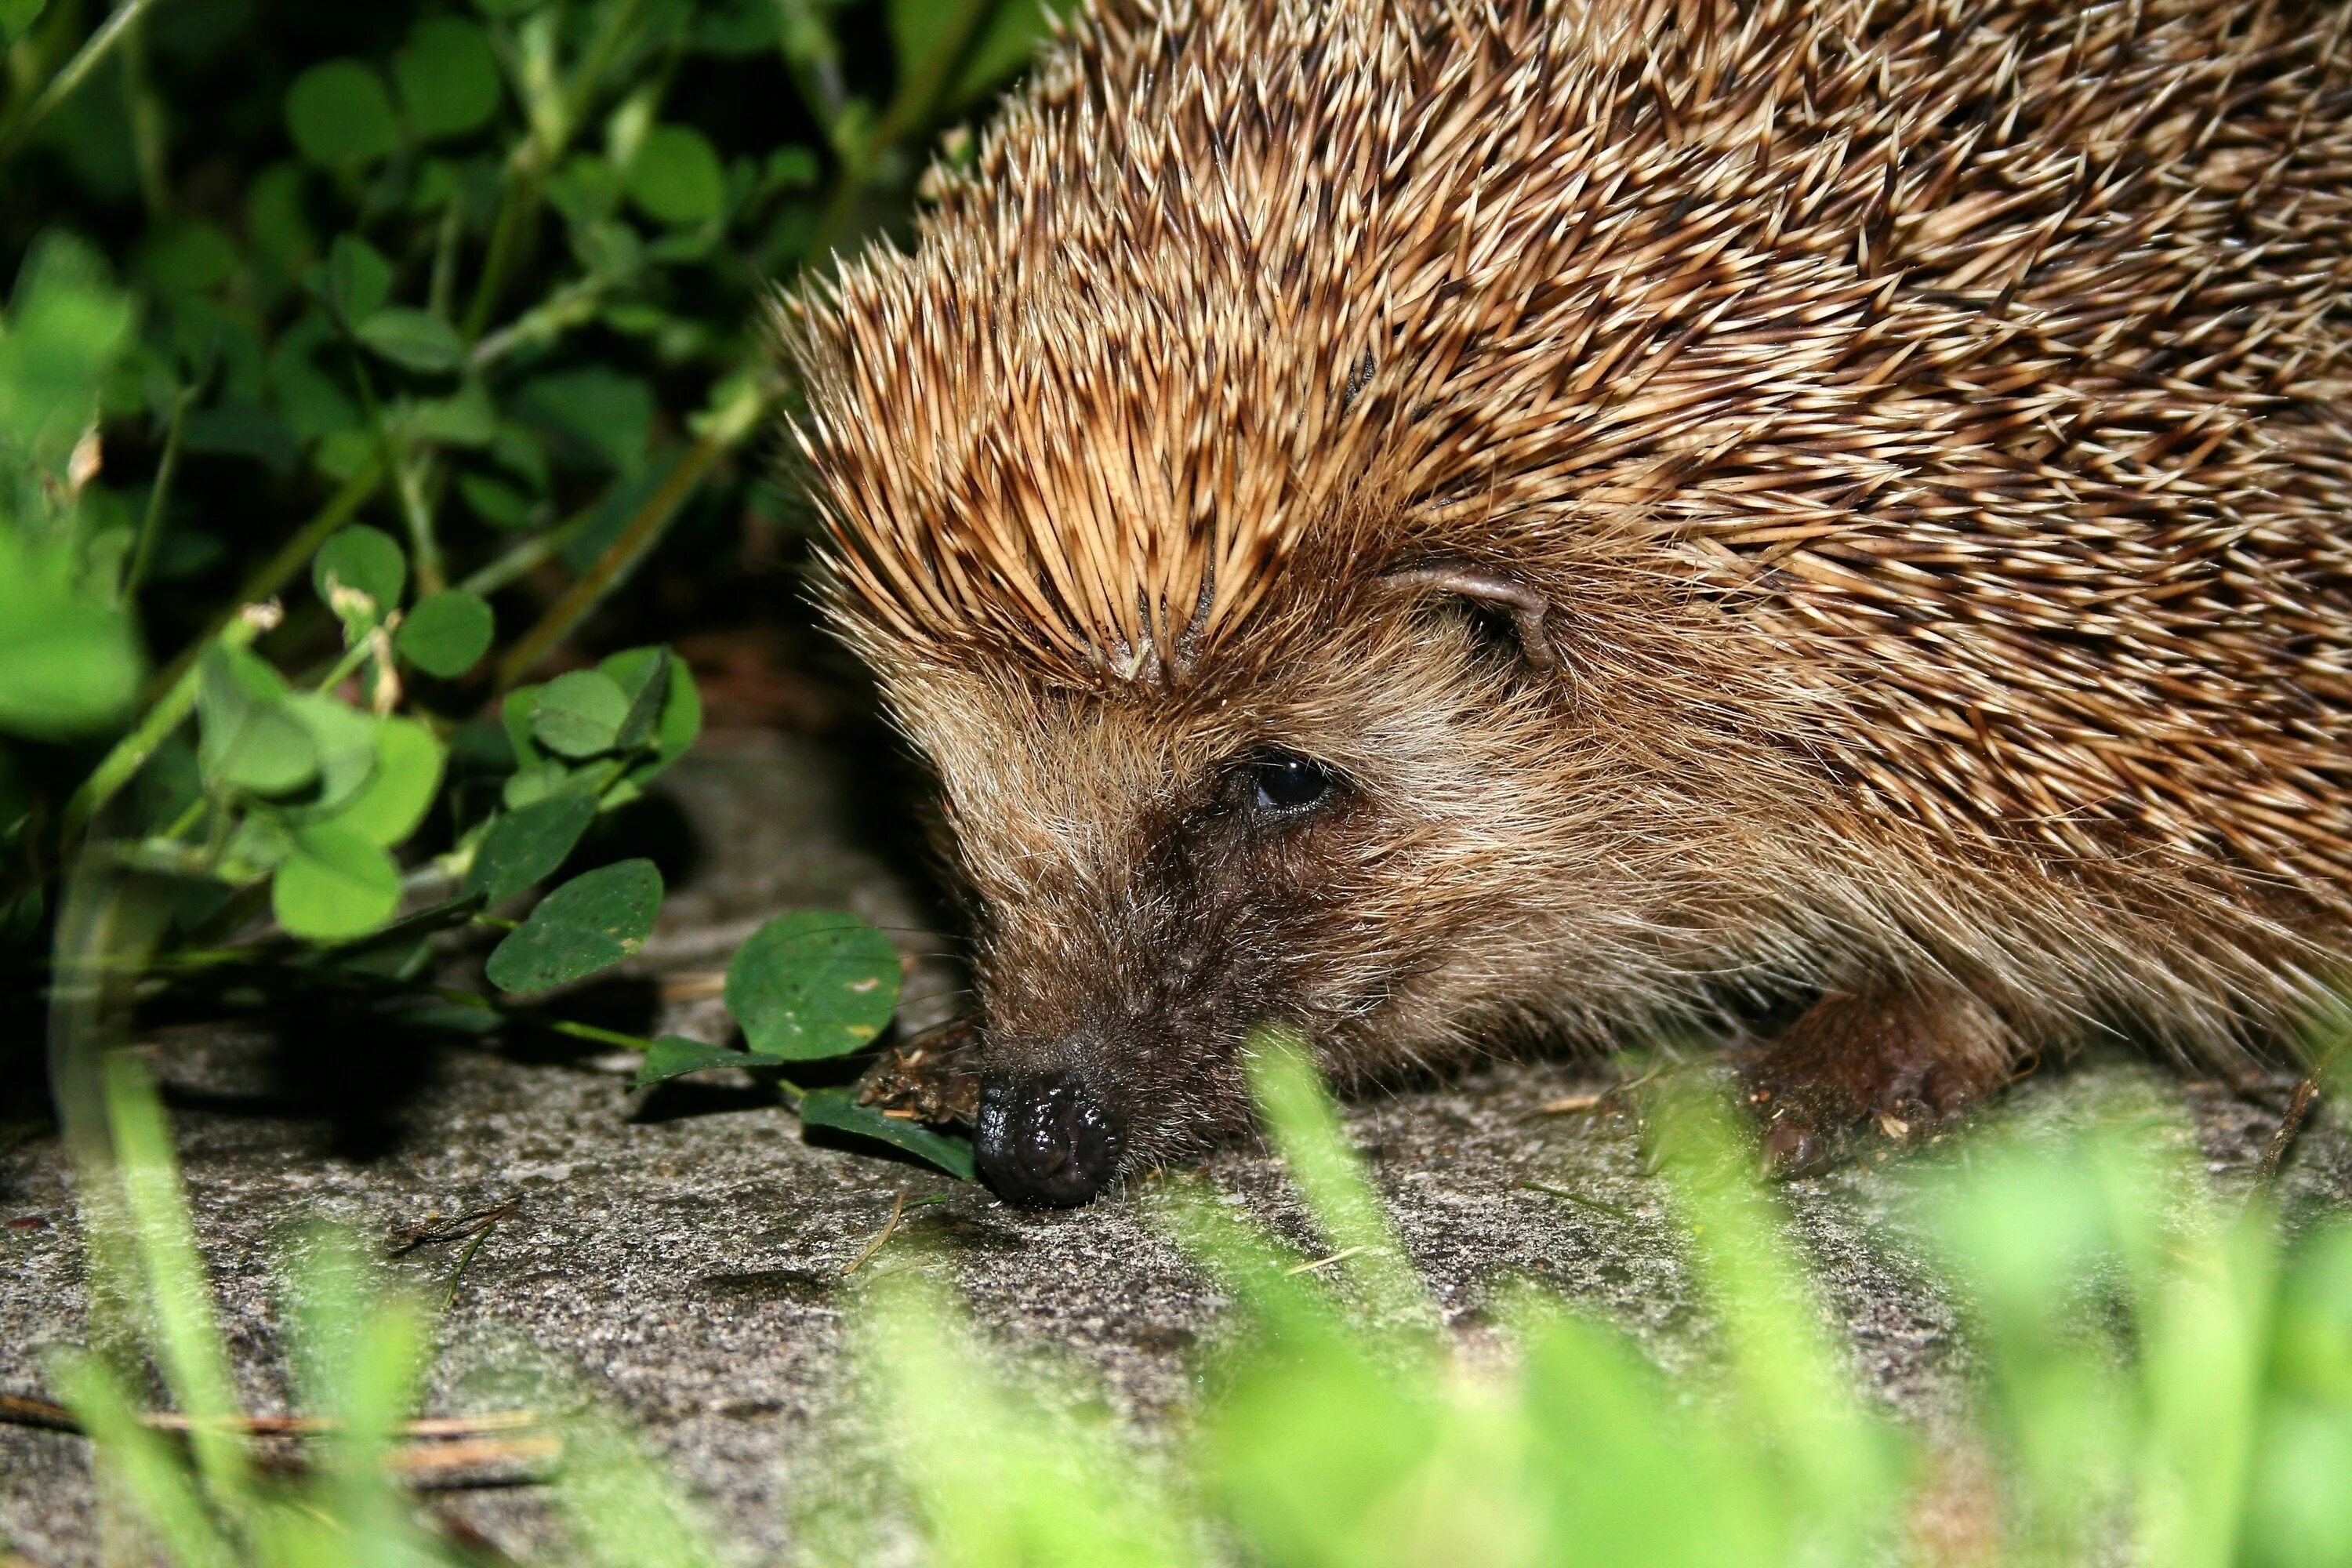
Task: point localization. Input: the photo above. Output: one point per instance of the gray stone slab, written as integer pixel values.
(684, 1253)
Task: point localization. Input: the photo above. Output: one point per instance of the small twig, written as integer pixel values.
(16, 1410)
(151, 520)
(408, 485)
(1595, 1205)
(465, 1226)
(543, 545)
(2306, 1092)
(1339, 1257)
(568, 306)
(898, 1207)
(436, 1458)
(1569, 1102)
(457, 1275)
(61, 86)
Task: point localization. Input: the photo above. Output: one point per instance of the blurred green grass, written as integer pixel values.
(2162, 1379)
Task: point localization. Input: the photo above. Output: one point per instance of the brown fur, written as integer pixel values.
(1925, 423)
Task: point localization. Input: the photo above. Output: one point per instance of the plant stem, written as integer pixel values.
(582, 85)
(541, 546)
(188, 818)
(77, 70)
(146, 125)
(568, 306)
(517, 208)
(457, 1275)
(406, 486)
(577, 1030)
(550, 132)
(150, 523)
(362, 650)
(601, 1036)
(813, 58)
(444, 279)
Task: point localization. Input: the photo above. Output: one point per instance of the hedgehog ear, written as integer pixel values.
(1492, 592)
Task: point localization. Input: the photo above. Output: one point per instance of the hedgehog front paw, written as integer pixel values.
(1888, 1062)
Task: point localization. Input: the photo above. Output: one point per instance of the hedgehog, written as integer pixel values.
(1443, 525)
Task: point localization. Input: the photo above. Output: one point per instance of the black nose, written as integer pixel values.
(1045, 1142)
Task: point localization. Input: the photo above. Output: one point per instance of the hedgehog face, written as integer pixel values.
(1336, 845)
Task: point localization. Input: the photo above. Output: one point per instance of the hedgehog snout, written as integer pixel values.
(1045, 1142)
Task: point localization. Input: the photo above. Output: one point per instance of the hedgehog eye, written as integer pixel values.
(1282, 785)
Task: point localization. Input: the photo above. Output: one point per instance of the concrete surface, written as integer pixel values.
(684, 1252)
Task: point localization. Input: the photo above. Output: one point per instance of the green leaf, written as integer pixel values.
(612, 252)
(735, 27)
(514, 718)
(354, 279)
(580, 714)
(344, 455)
(447, 77)
(497, 502)
(400, 791)
(918, 29)
(528, 844)
(838, 1109)
(242, 428)
(69, 662)
(813, 984)
(674, 732)
(523, 457)
(527, 787)
(340, 117)
(276, 224)
(590, 923)
(313, 403)
(675, 177)
(260, 843)
(586, 189)
(464, 418)
(191, 258)
(17, 15)
(365, 562)
(68, 327)
(646, 682)
(447, 633)
(250, 739)
(673, 1056)
(344, 740)
(599, 413)
(334, 885)
(415, 340)
(790, 169)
